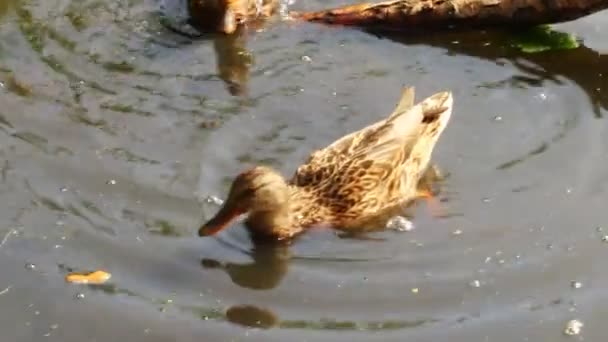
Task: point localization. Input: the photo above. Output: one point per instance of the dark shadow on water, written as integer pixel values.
(257, 317)
(583, 65)
(252, 316)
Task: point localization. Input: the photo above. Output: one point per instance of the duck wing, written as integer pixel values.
(322, 163)
(380, 165)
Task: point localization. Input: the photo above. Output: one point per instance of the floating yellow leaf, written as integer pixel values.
(94, 278)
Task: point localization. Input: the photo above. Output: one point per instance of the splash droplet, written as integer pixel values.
(400, 223)
(573, 327)
(214, 200)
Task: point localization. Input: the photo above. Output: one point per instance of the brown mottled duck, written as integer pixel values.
(226, 15)
(358, 180)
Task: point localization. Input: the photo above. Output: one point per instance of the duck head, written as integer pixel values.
(260, 192)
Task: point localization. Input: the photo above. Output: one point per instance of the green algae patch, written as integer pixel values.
(543, 38)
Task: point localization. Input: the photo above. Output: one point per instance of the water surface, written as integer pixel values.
(114, 131)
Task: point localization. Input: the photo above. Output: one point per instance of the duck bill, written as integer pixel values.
(220, 221)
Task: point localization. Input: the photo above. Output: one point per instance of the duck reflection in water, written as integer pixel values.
(233, 59)
(269, 266)
(228, 17)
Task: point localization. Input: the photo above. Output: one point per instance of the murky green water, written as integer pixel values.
(114, 131)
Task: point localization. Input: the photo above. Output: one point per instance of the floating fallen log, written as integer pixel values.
(405, 15)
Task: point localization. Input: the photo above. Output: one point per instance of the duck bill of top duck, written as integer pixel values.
(221, 220)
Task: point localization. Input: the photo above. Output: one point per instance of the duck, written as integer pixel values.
(225, 16)
(357, 182)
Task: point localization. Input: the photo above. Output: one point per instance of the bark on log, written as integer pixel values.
(404, 15)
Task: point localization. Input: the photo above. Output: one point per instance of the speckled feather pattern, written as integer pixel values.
(370, 171)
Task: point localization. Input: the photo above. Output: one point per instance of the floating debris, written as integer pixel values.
(95, 278)
(576, 284)
(415, 290)
(18, 87)
(79, 296)
(573, 327)
(306, 59)
(400, 223)
(30, 266)
(111, 182)
(605, 238)
(457, 232)
(475, 283)
(6, 236)
(214, 200)
(5, 290)
(498, 118)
